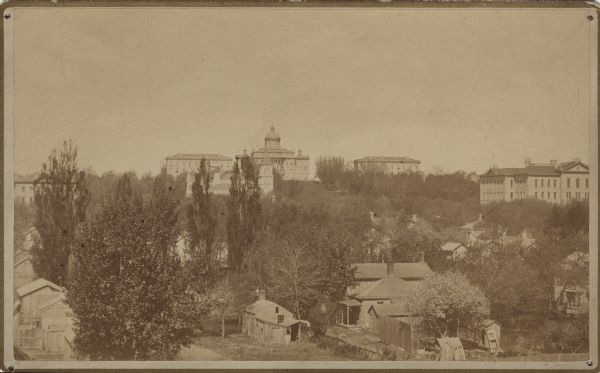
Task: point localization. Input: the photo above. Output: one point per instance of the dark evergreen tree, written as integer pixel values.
(202, 221)
(244, 208)
(61, 197)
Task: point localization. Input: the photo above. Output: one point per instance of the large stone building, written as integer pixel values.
(24, 188)
(188, 163)
(553, 182)
(291, 165)
(388, 165)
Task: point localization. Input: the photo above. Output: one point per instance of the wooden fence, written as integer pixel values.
(397, 332)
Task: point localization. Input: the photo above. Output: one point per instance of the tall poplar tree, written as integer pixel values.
(129, 292)
(202, 220)
(243, 215)
(61, 196)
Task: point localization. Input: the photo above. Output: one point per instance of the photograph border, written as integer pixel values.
(8, 207)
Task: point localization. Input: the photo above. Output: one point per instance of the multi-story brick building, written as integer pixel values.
(553, 182)
(388, 165)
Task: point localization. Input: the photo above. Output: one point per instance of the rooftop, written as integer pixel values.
(394, 309)
(219, 157)
(451, 246)
(374, 271)
(385, 159)
(25, 179)
(36, 285)
(535, 169)
(265, 310)
(390, 287)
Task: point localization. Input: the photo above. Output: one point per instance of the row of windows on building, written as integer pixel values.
(549, 183)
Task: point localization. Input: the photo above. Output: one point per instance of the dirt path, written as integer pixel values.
(195, 352)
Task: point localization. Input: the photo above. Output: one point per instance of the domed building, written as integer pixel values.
(291, 165)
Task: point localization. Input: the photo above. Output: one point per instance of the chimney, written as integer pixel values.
(262, 294)
(421, 257)
(527, 162)
(390, 268)
(553, 163)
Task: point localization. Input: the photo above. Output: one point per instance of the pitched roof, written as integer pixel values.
(36, 285)
(265, 310)
(566, 166)
(451, 246)
(366, 271)
(533, 170)
(393, 309)
(383, 159)
(390, 287)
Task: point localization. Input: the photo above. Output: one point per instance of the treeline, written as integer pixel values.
(143, 265)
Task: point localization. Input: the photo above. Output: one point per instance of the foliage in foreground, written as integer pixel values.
(448, 302)
(129, 291)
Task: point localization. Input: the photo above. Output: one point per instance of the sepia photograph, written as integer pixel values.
(298, 186)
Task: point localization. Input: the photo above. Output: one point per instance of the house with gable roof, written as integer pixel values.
(390, 288)
(268, 322)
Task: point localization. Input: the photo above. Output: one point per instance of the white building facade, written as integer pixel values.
(290, 165)
(555, 183)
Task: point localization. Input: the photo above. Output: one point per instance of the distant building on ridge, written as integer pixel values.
(291, 166)
(553, 182)
(388, 165)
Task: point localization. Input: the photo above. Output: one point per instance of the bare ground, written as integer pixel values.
(240, 347)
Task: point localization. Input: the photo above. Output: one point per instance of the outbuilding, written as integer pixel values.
(268, 322)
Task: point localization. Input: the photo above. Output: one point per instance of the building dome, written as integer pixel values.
(272, 135)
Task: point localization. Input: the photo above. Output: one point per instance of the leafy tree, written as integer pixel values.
(330, 170)
(243, 211)
(202, 220)
(61, 197)
(507, 280)
(24, 217)
(129, 293)
(448, 302)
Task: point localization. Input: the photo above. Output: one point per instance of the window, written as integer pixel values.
(554, 195)
(379, 302)
(555, 183)
(542, 194)
(568, 182)
(577, 183)
(586, 183)
(535, 183)
(535, 194)
(511, 183)
(279, 318)
(548, 183)
(511, 195)
(542, 181)
(276, 309)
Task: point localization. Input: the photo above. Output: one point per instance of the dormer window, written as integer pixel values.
(276, 309)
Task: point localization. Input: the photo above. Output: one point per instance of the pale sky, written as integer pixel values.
(456, 89)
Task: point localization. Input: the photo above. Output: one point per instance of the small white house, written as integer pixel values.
(454, 250)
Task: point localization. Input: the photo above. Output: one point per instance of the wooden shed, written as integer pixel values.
(34, 294)
(57, 326)
(486, 335)
(23, 270)
(268, 322)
